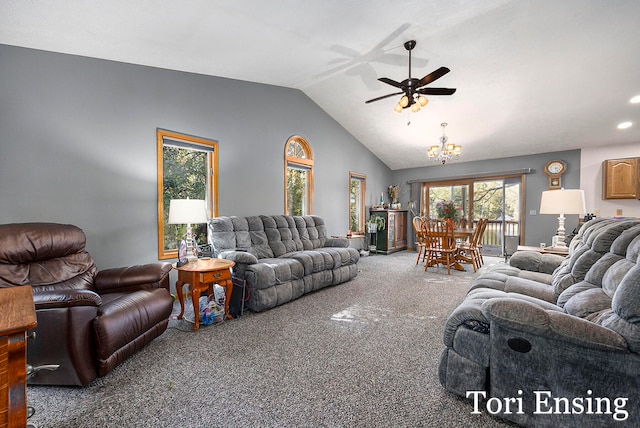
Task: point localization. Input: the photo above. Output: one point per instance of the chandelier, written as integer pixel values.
(446, 151)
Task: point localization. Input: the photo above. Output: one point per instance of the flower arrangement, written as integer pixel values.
(394, 192)
(447, 209)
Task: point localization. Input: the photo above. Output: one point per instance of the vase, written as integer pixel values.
(450, 223)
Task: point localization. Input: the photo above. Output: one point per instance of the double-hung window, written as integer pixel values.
(187, 169)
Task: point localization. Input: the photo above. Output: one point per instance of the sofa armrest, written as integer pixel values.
(65, 298)
(131, 278)
(535, 261)
(239, 257)
(337, 242)
(529, 318)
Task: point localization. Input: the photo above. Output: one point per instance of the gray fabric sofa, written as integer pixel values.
(563, 348)
(282, 257)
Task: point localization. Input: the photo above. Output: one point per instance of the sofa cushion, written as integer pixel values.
(269, 272)
(239, 233)
(282, 234)
(312, 231)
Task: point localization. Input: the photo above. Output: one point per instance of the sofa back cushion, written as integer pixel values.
(239, 233)
(312, 231)
(46, 256)
(282, 234)
(594, 241)
(610, 293)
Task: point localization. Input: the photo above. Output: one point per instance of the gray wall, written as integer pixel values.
(538, 228)
(77, 145)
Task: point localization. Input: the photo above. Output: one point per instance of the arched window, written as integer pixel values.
(298, 177)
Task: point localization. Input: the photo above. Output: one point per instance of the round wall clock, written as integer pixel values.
(554, 170)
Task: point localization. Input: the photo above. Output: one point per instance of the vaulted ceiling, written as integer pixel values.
(531, 76)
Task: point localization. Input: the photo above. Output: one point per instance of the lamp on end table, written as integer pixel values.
(188, 211)
(561, 202)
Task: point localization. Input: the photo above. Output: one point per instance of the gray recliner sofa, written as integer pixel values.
(282, 257)
(561, 350)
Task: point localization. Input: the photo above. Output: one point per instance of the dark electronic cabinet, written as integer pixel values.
(394, 235)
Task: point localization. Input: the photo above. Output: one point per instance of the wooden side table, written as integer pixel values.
(201, 274)
(18, 316)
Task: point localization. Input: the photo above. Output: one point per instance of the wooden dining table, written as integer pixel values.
(462, 232)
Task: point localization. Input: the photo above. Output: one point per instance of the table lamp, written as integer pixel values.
(561, 202)
(188, 211)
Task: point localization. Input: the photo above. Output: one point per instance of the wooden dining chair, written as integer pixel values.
(418, 223)
(441, 247)
(470, 250)
(479, 244)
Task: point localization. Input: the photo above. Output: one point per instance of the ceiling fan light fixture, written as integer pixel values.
(404, 101)
(415, 107)
(398, 108)
(423, 101)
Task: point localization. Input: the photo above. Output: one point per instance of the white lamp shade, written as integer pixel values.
(187, 211)
(564, 201)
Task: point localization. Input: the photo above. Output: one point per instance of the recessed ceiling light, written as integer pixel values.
(624, 125)
(635, 100)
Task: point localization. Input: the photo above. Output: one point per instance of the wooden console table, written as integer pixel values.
(201, 274)
(18, 316)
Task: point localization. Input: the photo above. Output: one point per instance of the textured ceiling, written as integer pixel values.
(531, 76)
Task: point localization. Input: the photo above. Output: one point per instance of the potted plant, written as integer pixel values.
(447, 210)
(375, 224)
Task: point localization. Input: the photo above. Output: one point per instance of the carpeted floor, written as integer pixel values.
(360, 354)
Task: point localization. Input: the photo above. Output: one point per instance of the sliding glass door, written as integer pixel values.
(497, 199)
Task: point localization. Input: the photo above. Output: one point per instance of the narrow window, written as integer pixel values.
(187, 169)
(357, 192)
(298, 188)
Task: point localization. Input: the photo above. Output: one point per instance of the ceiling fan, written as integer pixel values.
(412, 88)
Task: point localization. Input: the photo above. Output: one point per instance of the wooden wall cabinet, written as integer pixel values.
(620, 178)
(18, 316)
(394, 236)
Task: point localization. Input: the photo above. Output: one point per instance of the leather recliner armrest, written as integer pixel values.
(65, 299)
(131, 278)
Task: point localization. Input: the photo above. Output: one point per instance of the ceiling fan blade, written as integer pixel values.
(390, 82)
(434, 75)
(436, 91)
(383, 97)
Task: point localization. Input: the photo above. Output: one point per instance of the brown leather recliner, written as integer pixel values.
(89, 321)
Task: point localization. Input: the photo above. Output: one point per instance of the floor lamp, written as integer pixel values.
(561, 202)
(188, 211)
